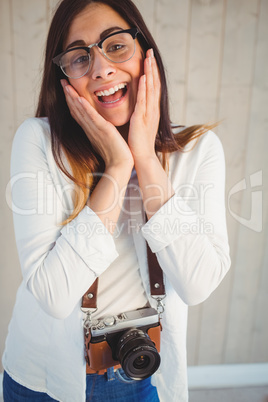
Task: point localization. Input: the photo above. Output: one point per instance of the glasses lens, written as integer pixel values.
(119, 47)
(75, 63)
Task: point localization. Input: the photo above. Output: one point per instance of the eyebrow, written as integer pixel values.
(103, 35)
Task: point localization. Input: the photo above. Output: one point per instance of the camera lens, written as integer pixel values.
(141, 362)
(137, 354)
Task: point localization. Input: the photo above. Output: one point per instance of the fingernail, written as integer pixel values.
(151, 53)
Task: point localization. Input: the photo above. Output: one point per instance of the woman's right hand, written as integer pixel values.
(103, 135)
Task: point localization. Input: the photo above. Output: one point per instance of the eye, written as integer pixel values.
(118, 47)
(80, 60)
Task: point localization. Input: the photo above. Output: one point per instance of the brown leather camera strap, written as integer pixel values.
(157, 285)
(89, 299)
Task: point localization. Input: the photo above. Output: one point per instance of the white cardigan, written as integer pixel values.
(44, 348)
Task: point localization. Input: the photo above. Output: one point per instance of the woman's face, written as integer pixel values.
(88, 28)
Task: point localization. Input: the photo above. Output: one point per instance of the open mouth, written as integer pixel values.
(112, 95)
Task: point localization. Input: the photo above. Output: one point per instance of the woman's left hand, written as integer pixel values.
(144, 121)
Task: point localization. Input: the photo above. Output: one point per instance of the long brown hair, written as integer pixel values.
(67, 136)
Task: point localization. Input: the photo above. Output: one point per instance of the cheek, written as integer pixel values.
(139, 63)
(135, 87)
(137, 71)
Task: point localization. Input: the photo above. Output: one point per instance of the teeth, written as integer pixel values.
(111, 91)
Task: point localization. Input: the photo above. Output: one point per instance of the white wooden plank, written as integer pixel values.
(171, 33)
(9, 272)
(147, 10)
(250, 303)
(259, 347)
(213, 326)
(247, 262)
(236, 81)
(193, 334)
(51, 7)
(6, 73)
(237, 73)
(204, 60)
(228, 376)
(29, 30)
(203, 82)
(233, 107)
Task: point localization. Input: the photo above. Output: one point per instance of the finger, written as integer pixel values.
(156, 75)
(149, 73)
(80, 105)
(89, 114)
(69, 90)
(150, 89)
(75, 103)
(72, 104)
(64, 83)
(140, 107)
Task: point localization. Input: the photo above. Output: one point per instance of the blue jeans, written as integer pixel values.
(112, 386)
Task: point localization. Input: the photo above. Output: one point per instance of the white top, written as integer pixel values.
(44, 348)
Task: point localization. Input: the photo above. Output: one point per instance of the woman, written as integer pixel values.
(98, 161)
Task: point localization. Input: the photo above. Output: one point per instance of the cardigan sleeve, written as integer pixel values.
(188, 233)
(58, 263)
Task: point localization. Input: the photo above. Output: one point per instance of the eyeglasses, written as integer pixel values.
(117, 47)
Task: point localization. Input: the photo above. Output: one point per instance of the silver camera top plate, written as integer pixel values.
(135, 318)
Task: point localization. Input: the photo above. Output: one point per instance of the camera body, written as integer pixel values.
(131, 339)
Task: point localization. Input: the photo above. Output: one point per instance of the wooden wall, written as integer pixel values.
(216, 56)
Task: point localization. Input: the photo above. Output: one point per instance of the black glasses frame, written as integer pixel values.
(132, 31)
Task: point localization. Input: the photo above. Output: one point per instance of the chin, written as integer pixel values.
(117, 119)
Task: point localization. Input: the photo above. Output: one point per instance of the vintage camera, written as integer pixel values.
(131, 339)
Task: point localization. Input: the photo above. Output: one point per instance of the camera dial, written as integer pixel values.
(109, 321)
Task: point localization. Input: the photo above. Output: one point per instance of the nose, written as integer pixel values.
(101, 67)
